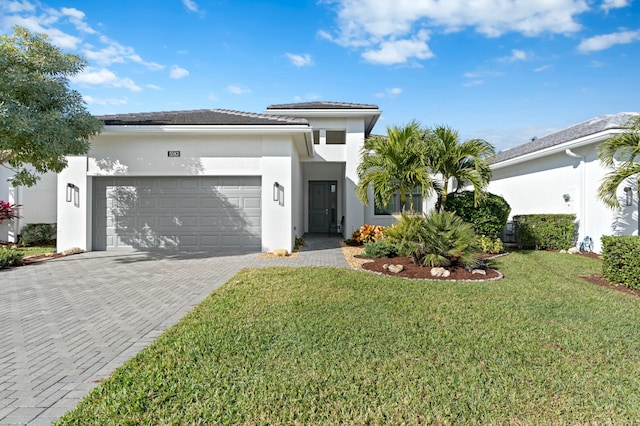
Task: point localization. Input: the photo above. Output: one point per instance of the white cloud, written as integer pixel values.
(153, 87)
(605, 41)
(516, 55)
(400, 51)
(379, 25)
(177, 72)
(607, 5)
(394, 91)
(104, 77)
(100, 101)
(191, 6)
(238, 89)
(300, 60)
(77, 18)
(543, 68)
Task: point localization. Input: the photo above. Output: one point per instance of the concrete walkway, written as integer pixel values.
(66, 324)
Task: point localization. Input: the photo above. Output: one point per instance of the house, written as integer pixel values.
(217, 179)
(38, 203)
(561, 173)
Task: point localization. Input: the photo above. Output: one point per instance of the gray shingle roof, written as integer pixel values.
(210, 117)
(590, 127)
(322, 105)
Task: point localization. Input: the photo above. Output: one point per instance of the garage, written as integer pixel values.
(177, 213)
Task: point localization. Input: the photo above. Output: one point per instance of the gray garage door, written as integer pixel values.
(177, 213)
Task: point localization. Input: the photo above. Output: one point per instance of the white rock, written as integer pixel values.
(479, 272)
(72, 250)
(573, 250)
(396, 268)
(280, 253)
(439, 272)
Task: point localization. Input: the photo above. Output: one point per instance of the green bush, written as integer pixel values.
(545, 231)
(488, 218)
(38, 233)
(381, 248)
(438, 239)
(490, 245)
(621, 260)
(10, 257)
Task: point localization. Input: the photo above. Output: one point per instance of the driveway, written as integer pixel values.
(66, 324)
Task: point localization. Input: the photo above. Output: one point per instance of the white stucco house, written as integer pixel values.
(216, 179)
(561, 173)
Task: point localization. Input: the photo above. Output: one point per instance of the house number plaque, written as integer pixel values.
(173, 153)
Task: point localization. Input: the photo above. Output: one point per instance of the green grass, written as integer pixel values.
(334, 346)
(29, 251)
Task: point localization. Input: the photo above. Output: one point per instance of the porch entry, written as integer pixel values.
(323, 206)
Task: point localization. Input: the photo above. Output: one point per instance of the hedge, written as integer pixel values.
(621, 260)
(545, 231)
(488, 218)
(38, 233)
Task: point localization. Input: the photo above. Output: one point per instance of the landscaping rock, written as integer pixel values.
(562, 251)
(396, 269)
(440, 272)
(573, 250)
(281, 253)
(72, 250)
(479, 272)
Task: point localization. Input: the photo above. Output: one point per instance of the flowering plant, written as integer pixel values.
(8, 211)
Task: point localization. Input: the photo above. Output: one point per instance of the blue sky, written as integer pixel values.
(501, 70)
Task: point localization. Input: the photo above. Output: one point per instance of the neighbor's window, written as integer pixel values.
(336, 137)
(394, 204)
(316, 137)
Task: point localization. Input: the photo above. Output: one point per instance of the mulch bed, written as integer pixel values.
(599, 280)
(413, 271)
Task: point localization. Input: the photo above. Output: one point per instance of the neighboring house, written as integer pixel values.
(217, 179)
(561, 173)
(38, 203)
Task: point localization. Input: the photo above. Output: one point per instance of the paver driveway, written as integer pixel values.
(66, 324)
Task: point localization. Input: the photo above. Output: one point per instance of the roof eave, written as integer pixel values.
(575, 143)
(220, 129)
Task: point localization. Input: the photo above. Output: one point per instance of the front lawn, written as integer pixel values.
(335, 346)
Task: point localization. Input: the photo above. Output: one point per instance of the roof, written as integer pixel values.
(322, 105)
(586, 128)
(211, 117)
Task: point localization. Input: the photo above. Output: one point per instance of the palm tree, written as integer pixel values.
(465, 162)
(396, 163)
(626, 147)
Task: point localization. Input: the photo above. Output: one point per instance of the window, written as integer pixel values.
(336, 137)
(394, 204)
(316, 137)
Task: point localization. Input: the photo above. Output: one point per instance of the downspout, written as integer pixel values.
(583, 193)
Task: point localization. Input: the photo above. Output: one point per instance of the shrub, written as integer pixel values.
(621, 260)
(438, 239)
(381, 248)
(490, 245)
(10, 257)
(545, 231)
(38, 233)
(488, 218)
(367, 233)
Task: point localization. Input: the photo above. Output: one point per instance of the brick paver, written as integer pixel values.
(66, 324)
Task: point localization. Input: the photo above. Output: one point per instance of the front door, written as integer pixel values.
(323, 206)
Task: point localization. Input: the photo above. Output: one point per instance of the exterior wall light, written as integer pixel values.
(70, 188)
(73, 193)
(628, 196)
(276, 191)
(566, 198)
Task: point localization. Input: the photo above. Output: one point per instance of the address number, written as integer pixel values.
(173, 153)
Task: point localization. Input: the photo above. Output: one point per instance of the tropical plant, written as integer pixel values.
(380, 249)
(625, 149)
(8, 211)
(395, 163)
(464, 162)
(437, 239)
(41, 119)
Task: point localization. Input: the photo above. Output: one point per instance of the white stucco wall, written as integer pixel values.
(271, 156)
(538, 186)
(38, 203)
